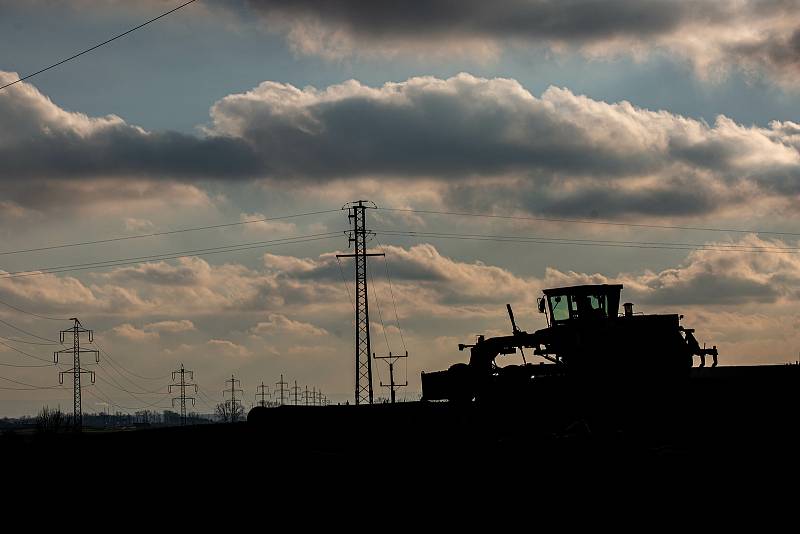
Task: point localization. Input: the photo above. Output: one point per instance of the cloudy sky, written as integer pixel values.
(649, 143)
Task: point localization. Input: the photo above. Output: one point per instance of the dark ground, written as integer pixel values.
(703, 434)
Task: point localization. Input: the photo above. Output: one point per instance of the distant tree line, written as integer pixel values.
(53, 420)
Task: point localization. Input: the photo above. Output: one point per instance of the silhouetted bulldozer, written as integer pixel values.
(587, 343)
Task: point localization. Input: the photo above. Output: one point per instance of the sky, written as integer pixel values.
(676, 121)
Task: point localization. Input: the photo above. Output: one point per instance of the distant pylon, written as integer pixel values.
(263, 391)
(391, 359)
(233, 402)
(280, 387)
(295, 389)
(183, 385)
(358, 237)
(76, 350)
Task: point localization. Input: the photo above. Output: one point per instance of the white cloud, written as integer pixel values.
(497, 147)
(132, 333)
(256, 223)
(135, 225)
(184, 325)
(226, 348)
(559, 153)
(277, 324)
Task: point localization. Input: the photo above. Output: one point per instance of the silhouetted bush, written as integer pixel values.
(50, 421)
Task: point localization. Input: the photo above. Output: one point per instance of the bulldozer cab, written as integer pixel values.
(585, 302)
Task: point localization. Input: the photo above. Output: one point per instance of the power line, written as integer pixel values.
(50, 363)
(132, 394)
(380, 313)
(30, 386)
(391, 291)
(170, 256)
(15, 340)
(29, 333)
(205, 399)
(394, 305)
(33, 314)
(114, 362)
(116, 385)
(166, 232)
(25, 366)
(590, 242)
(95, 47)
(344, 281)
(106, 398)
(733, 246)
(146, 403)
(587, 221)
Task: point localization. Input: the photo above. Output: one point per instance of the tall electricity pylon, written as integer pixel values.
(183, 385)
(358, 237)
(76, 350)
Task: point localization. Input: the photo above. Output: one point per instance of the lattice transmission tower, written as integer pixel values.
(76, 351)
(183, 385)
(358, 237)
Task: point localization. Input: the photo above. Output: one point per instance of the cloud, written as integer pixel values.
(38, 139)
(298, 294)
(184, 325)
(750, 35)
(135, 225)
(227, 348)
(292, 298)
(725, 277)
(256, 223)
(132, 333)
(557, 153)
(277, 324)
(748, 271)
(473, 142)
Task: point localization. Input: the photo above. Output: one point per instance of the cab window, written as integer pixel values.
(587, 307)
(560, 306)
(599, 303)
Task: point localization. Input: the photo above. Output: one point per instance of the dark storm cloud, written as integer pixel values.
(466, 127)
(426, 133)
(751, 35)
(127, 152)
(604, 203)
(672, 198)
(782, 51)
(562, 19)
